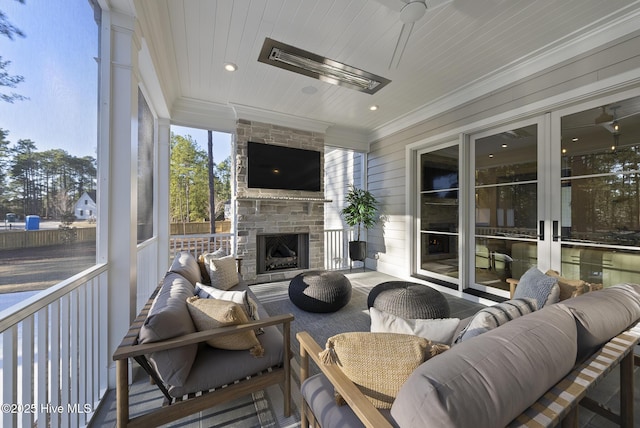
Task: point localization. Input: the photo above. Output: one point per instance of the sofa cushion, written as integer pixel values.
(537, 285)
(186, 265)
(378, 363)
(222, 271)
(208, 314)
(232, 365)
(487, 382)
(319, 395)
(601, 315)
(438, 330)
(168, 318)
(494, 316)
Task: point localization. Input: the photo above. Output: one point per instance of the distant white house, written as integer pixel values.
(86, 206)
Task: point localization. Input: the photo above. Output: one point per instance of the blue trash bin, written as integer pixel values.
(32, 222)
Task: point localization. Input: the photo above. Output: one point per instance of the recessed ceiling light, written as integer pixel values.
(504, 145)
(564, 151)
(373, 107)
(490, 155)
(309, 90)
(229, 66)
(574, 139)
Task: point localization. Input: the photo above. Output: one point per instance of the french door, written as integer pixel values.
(508, 204)
(599, 176)
(560, 191)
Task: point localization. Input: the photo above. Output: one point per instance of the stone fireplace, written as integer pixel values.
(290, 218)
(282, 251)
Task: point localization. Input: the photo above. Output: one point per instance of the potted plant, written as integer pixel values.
(360, 211)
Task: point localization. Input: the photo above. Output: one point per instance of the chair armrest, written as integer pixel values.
(129, 351)
(361, 406)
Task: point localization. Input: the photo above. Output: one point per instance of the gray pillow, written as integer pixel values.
(169, 317)
(494, 316)
(602, 315)
(186, 265)
(488, 381)
(535, 284)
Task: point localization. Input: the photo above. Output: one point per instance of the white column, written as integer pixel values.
(121, 220)
(162, 192)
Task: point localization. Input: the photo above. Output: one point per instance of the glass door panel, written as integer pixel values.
(506, 205)
(438, 214)
(600, 186)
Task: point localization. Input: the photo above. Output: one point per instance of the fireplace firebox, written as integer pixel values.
(282, 251)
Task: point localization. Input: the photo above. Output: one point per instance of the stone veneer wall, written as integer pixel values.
(276, 211)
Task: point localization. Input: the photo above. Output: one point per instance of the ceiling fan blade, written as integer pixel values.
(403, 39)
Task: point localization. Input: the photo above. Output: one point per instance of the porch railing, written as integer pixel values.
(54, 353)
(200, 243)
(336, 246)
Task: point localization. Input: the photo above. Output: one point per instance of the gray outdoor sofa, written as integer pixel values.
(192, 375)
(531, 371)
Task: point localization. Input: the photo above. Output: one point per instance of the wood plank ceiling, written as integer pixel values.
(454, 48)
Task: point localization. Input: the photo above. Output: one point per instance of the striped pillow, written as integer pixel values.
(494, 316)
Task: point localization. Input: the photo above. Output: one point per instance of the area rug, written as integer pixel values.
(321, 326)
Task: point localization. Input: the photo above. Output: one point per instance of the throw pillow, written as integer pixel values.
(437, 330)
(378, 363)
(222, 272)
(568, 287)
(537, 285)
(209, 314)
(239, 297)
(494, 316)
(217, 254)
(186, 265)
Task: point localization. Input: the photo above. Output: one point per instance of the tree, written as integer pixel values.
(188, 189)
(10, 31)
(222, 172)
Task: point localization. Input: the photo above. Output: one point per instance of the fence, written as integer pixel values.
(222, 226)
(42, 238)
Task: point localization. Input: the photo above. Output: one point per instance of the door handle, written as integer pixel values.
(555, 231)
(541, 231)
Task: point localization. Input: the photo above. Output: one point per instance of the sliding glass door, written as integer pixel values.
(560, 191)
(438, 183)
(507, 205)
(599, 229)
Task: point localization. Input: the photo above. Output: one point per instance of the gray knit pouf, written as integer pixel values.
(408, 300)
(320, 291)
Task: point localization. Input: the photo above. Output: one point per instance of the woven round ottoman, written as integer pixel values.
(320, 291)
(408, 300)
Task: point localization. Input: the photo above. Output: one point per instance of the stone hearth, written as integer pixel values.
(270, 211)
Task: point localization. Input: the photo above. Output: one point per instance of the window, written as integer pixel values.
(438, 213)
(47, 164)
(145, 169)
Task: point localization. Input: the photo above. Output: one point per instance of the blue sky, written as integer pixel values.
(57, 59)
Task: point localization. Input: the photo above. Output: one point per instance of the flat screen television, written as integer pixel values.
(278, 167)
